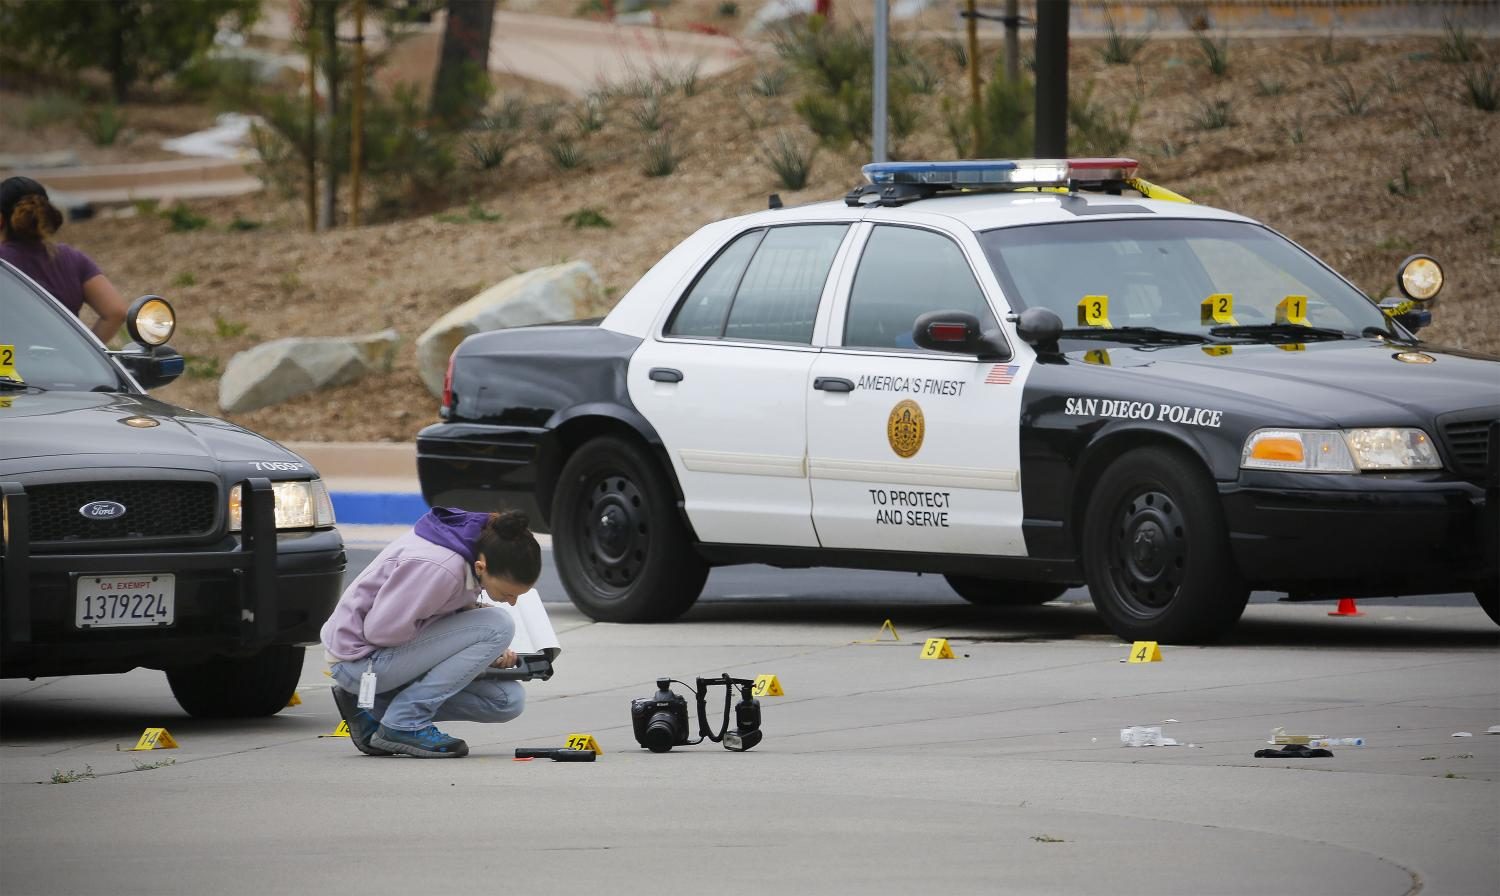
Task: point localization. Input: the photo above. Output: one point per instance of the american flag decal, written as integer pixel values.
(1002, 374)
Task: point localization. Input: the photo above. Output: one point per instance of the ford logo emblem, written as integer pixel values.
(102, 510)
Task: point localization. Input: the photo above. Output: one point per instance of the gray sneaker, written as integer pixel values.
(427, 743)
(361, 724)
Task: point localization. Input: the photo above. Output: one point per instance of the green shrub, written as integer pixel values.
(1349, 99)
(1457, 46)
(1212, 115)
(1099, 129)
(587, 217)
(184, 219)
(202, 367)
(242, 225)
(184, 279)
(648, 114)
(589, 114)
(1214, 54)
(790, 159)
(103, 124)
(1119, 48)
(564, 152)
(771, 82)
(50, 108)
(661, 157)
(229, 329)
(728, 9)
(1480, 85)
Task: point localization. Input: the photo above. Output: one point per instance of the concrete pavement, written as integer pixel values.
(999, 771)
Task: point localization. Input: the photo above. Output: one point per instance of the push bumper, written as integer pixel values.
(232, 598)
(1363, 535)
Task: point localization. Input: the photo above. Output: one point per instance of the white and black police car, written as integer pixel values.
(1018, 374)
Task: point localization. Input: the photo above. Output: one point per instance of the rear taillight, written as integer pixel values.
(448, 386)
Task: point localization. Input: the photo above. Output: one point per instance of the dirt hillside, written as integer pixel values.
(1362, 150)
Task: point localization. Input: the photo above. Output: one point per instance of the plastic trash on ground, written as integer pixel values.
(1145, 736)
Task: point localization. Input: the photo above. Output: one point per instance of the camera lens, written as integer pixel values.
(661, 732)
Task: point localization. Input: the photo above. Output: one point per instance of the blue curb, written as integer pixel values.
(378, 508)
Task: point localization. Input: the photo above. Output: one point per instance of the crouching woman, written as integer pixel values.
(412, 619)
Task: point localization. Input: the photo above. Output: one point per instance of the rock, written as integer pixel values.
(275, 371)
(545, 295)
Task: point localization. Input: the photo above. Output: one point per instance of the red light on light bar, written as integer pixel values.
(1119, 168)
(948, 332)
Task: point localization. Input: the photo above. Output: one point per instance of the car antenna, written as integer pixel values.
(774, 201)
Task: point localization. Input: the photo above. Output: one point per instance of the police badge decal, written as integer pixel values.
(904, 428)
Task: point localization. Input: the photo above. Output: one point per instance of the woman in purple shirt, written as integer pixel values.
(27, 222)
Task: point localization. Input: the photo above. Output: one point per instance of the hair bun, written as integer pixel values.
(510, 524)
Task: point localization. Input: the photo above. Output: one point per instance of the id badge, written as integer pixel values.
(367, 689)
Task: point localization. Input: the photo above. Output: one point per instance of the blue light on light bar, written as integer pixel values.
(979, 173)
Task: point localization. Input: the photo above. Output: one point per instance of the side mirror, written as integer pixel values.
(958, 332)
(1039, 328)
(151, 366)
(1406, 312)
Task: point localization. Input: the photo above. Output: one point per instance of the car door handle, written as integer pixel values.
(666, 375)
(833, 384)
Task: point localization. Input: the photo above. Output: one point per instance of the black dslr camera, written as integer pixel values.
(661, 720)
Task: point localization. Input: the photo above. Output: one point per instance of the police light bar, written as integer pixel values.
(999, 173)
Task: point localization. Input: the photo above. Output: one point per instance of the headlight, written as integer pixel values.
(299, 505)
(1392, 449)
(1336, 451)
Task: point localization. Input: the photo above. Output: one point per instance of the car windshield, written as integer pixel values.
(50, 352)
(1157, 273)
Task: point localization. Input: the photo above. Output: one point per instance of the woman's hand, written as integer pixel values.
(506, 661)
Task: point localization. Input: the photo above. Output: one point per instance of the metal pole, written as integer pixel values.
(356, 113)
(877, 129)
(1051, 79)
(1013, 40)
(311, 148)
(975, 114)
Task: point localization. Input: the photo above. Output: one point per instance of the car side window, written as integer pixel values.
(764, 286)
(778, 299)
(706, 307)
(903, 273)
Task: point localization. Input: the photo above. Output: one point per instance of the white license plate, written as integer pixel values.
(134, 600)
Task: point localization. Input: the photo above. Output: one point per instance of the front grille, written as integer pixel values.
(152, 510)
(1469, 445)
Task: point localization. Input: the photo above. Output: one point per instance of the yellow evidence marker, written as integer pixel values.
(296, 699)
(767, 686)
(583, 742)
(1217, 309)
(8, 362)
(1093, 311)
(880, 635)
(937, 649)
(1292, 310)
(155, 739)
(1145, 652)
(341, 731)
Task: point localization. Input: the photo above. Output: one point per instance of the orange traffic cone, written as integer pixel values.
(1346, 608)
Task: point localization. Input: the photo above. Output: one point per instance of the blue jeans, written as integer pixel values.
(438, 675)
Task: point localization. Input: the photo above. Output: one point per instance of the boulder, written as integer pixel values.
(545, 295)
(275, 371)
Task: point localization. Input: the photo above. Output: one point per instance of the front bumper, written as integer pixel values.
(233, 598)
(1362, 535)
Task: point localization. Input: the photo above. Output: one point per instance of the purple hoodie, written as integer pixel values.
(419, 578)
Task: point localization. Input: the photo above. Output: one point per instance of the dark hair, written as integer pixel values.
(509, 549)
(26, 212)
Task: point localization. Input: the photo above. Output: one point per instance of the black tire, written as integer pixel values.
(1489, 600)
(984, 592)
(1156, 553)
(622, 551)
(243, 688)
